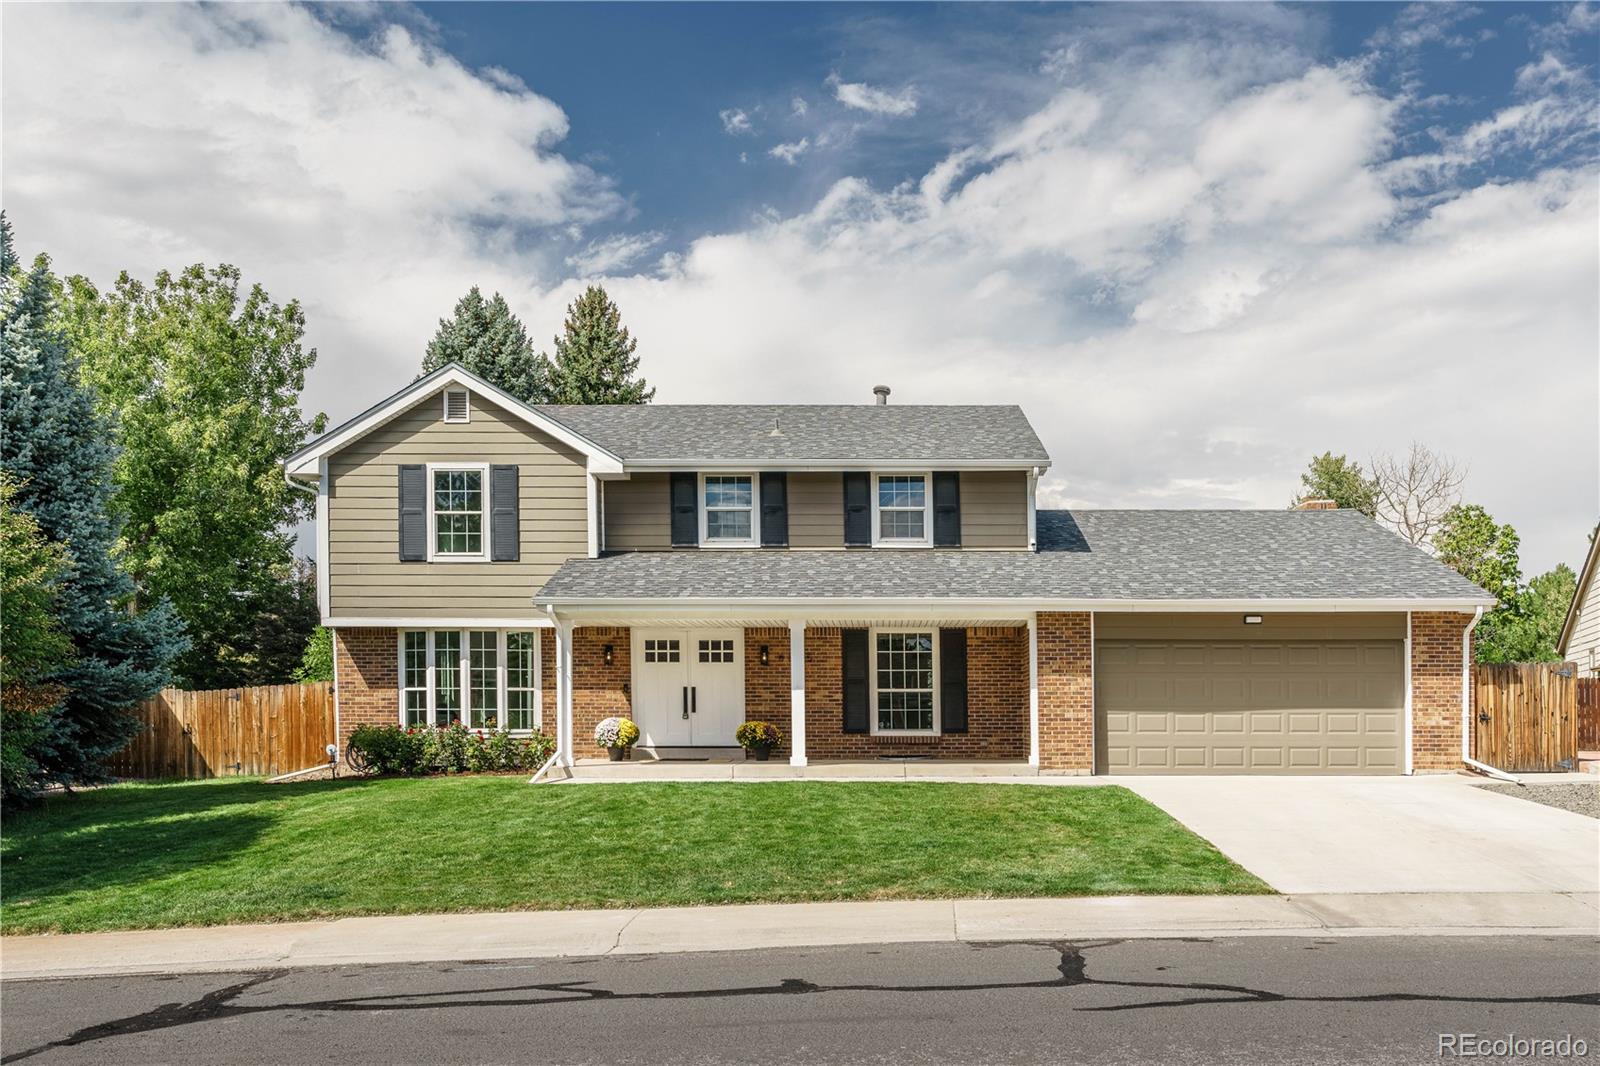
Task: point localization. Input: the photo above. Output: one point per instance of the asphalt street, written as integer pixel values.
(1249, 1000)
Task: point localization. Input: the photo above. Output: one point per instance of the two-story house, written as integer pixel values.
(877, 579)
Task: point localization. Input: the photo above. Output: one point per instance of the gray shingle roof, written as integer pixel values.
(796, 432)
(1111, 555)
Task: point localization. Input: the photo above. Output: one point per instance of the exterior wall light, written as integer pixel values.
(1249, 620)
(765, 655)
(609, 654)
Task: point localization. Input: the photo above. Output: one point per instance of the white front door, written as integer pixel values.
(688, 686)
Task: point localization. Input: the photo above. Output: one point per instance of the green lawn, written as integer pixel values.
(136, 856)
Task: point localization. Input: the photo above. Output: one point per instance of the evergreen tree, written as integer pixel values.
(594, 360)
(59, 450)
(488, 340)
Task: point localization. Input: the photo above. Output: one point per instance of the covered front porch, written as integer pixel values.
(734, 764)
(884, 695)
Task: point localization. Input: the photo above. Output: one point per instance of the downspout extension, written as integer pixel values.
(1466, 706)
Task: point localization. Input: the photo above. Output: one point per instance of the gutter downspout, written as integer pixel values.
(1466, 705)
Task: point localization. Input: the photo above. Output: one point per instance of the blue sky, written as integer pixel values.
(1198, 243)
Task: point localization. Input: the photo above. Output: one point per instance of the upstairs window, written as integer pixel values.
(900, 509)
(458, 512)
(457, 406)
(727, 510)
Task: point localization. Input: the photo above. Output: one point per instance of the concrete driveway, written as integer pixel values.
(1384, 834)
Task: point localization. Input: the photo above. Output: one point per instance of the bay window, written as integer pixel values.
(482, 678)
(903, 682)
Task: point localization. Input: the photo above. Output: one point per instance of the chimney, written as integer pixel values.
(882, 393)
(1316, 505)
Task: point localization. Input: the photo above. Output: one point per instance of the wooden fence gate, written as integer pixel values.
(1589, 714)
(268, 730)
(1525, 716)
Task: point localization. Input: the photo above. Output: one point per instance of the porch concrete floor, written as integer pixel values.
(726, 766)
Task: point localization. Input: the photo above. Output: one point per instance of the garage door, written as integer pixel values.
(1282, 707)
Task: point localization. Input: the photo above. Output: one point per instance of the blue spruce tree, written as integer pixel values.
(60, 451)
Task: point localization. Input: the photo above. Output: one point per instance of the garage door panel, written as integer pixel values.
(1333, 706)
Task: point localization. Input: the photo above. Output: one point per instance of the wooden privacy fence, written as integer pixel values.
(1589, 714)
(1525, 716)
(268, 730)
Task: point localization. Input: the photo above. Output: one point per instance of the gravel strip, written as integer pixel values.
(1577, 798)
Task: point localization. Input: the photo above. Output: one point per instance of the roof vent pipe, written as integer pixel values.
(882, 393)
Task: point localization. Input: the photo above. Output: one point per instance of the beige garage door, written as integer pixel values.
(1280, 707)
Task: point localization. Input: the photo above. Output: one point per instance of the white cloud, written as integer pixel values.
(736, 122)
(799, 107)
(791, 152)
(613, 253)
(865, 97)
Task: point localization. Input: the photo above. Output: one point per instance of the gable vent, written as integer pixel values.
(455, 405)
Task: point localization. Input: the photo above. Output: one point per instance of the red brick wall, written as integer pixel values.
(1436, 690)
(1066, 692)
(598, 691)
(766, 688)
(367, 691)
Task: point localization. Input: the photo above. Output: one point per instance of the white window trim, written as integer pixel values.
(926, 540)
(754, 540)
(464, 675)
(480, 556)
(872, 688)
(445, 400)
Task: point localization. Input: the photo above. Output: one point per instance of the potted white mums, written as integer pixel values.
(617, 736)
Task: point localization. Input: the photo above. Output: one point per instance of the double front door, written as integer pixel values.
(688, 686)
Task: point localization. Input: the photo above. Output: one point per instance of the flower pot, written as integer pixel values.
(616, 753)
(762, 753)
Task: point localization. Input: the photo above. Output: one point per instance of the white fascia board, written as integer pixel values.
(803, 607)
(303, 464)
(414, 622)
(741, 466)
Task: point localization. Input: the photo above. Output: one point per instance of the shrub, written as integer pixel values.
(616, 733)
(452, 749)
(754, 735)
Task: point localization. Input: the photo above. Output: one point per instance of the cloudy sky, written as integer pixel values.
(1198, 244)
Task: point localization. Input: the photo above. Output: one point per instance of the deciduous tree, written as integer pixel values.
(1416, 492)
(1336, 478)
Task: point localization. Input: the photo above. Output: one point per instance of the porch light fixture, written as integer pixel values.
(608, 654)
(764, 655)
(1249, 620)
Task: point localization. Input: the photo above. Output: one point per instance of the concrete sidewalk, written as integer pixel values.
(547, 934)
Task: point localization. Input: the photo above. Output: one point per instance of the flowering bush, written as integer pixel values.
(452, 749)
(616, 733)
(753, 735)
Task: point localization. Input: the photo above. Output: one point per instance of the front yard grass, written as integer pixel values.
(200, 853)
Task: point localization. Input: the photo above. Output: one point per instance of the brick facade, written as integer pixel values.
(1436, 690)
(367, 679)
(1066, 692)
(598, 691)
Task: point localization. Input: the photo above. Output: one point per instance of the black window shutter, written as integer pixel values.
(774, 509)
(952, 680)
(413, 494)
(857, 510)
(853, 659)
(946, 509)
(505, 536)
(685, 510)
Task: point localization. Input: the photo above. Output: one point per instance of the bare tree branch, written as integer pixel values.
(1415, 491)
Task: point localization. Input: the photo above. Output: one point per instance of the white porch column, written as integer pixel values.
(1033, 690)
(797, 693)
(564, 745)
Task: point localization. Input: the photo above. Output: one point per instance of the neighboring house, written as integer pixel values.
(1580, 633)
(874, 579)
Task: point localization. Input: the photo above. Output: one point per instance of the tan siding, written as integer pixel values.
(1583, 647)
(365, 576)
(816, 510)
(1183, 626)
(994, 509)
(639, 513)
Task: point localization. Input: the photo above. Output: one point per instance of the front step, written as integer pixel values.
(1589, 762)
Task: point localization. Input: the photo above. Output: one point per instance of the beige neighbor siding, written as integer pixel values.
(1583, 646)
(365, 576)
(994, 509)
(638, 513)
